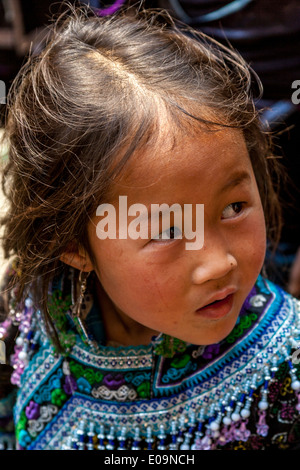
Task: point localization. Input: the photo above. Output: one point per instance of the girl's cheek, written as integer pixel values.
(256, 240)
(247, 240)
(154, 286)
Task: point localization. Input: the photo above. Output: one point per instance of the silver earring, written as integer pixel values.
(77, 305)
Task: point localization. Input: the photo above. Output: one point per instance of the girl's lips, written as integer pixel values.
(217, 309)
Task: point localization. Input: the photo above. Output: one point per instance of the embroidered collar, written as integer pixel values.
(135, 393)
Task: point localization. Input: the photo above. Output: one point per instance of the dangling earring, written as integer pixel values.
(76, 307)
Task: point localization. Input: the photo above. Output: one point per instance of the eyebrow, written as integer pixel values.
(236, 179)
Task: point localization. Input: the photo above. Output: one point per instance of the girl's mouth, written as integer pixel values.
(217, 309)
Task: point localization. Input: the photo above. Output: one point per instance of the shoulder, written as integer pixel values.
(267, 295)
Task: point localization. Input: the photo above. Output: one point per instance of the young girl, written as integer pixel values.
(142, 342)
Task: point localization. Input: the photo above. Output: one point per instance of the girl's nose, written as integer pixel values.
(213, 263)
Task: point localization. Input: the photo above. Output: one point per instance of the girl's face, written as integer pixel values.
(153, 285)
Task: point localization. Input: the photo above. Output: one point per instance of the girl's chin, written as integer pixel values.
(208, 336)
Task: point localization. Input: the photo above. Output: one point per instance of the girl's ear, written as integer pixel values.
(77, 257)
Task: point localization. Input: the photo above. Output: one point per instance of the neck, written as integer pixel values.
(119, 328)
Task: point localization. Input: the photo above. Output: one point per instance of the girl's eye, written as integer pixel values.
(171, 233)
(232, 210)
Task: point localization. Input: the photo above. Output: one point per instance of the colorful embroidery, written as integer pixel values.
(167, 346)
(58, 308)
(242, 393)
(243, 325)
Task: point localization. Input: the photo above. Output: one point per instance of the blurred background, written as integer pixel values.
(265, 32)
(23, 27)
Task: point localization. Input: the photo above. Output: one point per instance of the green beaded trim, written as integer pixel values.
(169, 346)
(244, 324)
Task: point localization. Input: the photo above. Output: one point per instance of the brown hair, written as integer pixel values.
(79, 110)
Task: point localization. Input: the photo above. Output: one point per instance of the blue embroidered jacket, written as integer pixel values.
(242, 393)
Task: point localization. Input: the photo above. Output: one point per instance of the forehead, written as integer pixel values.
(180, 159)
